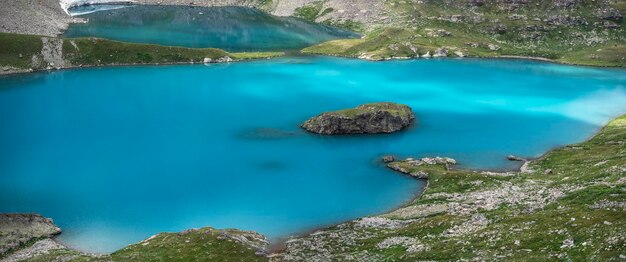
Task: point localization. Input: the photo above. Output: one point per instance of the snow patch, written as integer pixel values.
(67, 4)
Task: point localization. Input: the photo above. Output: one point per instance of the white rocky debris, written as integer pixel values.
(410, 243)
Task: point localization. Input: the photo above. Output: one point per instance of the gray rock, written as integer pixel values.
(493, 47)
(365, 119)
(515, 158)
(610, 14)
(389, 159)
(18, 229)
(225, 59)
(441, 52)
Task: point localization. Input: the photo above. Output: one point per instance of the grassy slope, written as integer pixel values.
(204, 244)
(94, 51)
(11, 46)
(534, 215)
(587, 43)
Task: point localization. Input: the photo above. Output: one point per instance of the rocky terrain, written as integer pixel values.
(567, 31)
(365, 119)
(569, 205)
(17, 230)
(577, 32)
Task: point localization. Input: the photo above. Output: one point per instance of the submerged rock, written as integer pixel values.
(515, 158)
(365, 119)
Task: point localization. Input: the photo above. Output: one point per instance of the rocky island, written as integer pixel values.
(374, 118)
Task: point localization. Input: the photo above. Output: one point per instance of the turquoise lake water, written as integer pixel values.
(115, 155)
(228, 28)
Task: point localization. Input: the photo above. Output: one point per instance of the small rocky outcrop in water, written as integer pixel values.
(413, 168)
(372, 118)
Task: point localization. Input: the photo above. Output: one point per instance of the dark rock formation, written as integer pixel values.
(611, 14)
(365, 119)
(515, 158)
(389, 159)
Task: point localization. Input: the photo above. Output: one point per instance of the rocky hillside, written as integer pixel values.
(569, 31)
(570, 205)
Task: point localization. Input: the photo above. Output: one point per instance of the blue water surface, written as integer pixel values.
(115, 155)
(228, 28)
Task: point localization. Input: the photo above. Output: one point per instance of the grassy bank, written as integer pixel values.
(394, 43)
(29, 52)
(573, 32)
(569, 205)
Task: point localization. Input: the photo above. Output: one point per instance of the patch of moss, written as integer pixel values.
(311, 11)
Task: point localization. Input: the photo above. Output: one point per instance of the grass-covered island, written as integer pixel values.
(567, 205)
(371, 118)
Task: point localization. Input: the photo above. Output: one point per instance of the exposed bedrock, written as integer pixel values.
(372, 118)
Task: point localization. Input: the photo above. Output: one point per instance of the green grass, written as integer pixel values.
(13, 45)
(394, 109)
(203, 244)
(514, 232)
(312, 11)
(17, 51)
(586, 43)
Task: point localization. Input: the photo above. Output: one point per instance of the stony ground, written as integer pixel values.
(569, 31)
(17, 230)
(35, 17)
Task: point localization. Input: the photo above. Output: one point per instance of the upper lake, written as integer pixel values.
(230, 28)
(117, 154)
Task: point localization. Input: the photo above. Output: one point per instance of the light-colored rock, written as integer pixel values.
(441, 52)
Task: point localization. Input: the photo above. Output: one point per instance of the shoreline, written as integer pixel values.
(11, 72)
(52, 70)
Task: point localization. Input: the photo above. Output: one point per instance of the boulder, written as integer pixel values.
(225, 59)
(610, 14)
(515, 158)
(441, 52)
(389, 159)
(493, 47)
(17, 230)
(372, 118)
